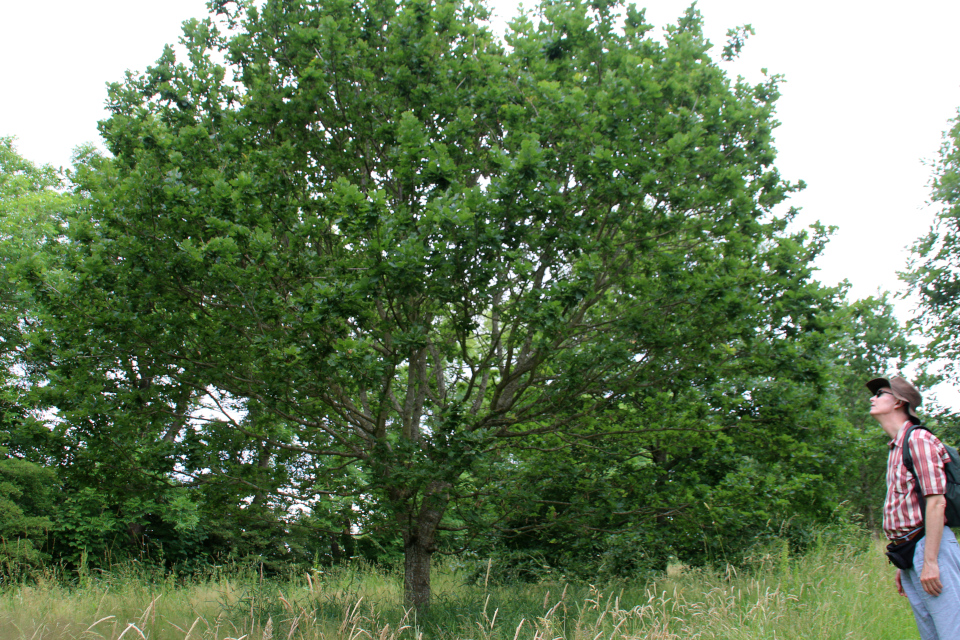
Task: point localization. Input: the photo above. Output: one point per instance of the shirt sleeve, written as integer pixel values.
(928, 459)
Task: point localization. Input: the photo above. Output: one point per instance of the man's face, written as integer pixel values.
(883, 403)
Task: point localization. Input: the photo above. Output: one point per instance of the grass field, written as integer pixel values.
(837, 591)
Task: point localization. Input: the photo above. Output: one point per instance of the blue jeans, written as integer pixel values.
(938, 617)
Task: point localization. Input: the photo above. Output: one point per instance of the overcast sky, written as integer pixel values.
(870, 87)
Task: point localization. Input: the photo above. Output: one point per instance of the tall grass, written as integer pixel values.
(834, 591)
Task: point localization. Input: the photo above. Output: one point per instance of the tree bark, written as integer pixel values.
(416, 575)
(419, 540)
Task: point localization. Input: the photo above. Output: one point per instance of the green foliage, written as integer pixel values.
(779, 445)
(868, 342)
(26, 498)
(934, 276)
(381, 272)
(32, 203)
(32, 208)
(934, 273)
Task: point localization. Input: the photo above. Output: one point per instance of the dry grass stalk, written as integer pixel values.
(834, 595)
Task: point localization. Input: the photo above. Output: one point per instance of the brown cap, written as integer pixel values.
(902, 390)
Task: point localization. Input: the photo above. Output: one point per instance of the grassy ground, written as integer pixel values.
(833, 592)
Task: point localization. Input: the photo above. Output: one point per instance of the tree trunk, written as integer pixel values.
(419, 544)
(416, 576)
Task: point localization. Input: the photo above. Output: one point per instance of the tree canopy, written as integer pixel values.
(366, 262)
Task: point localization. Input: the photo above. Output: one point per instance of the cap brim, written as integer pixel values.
(878, 383)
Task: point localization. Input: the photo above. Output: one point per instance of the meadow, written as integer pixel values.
(832, 591)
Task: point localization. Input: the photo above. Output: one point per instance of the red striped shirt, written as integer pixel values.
(901, 510)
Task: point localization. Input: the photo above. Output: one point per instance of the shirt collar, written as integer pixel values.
(898, 439)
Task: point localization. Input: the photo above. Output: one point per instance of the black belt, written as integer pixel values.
(916, 533)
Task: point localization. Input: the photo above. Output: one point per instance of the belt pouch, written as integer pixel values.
(900, 553)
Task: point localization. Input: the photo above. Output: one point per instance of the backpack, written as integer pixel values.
(952, 470)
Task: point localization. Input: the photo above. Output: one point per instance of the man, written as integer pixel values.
(932, 584)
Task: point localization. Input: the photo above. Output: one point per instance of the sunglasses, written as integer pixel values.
(882, 392)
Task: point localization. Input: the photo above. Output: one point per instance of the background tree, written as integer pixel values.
(63, 494)
(33, 203)
(869, 342)
(33, 206)
(380, 257)
(934, 276)
(934, 273)
(778, 445)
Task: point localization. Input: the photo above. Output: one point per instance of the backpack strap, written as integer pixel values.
(908, 463)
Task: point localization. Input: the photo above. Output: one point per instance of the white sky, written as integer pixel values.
(870, 87)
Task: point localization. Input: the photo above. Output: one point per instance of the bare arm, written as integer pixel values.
(898, 580)
(930, 576)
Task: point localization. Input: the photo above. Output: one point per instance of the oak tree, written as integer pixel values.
(383, 252)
